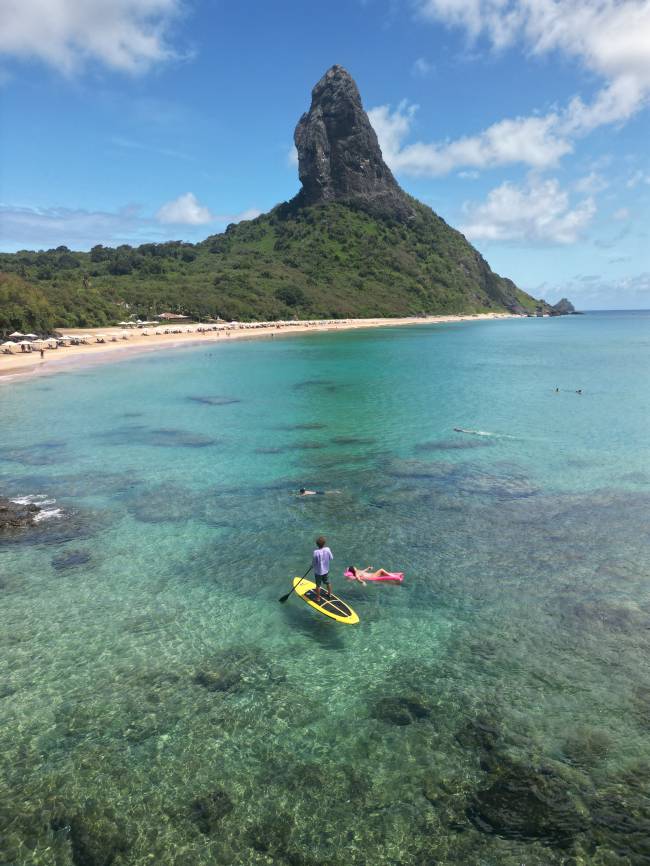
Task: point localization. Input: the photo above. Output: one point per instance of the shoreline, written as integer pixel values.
(23, 365)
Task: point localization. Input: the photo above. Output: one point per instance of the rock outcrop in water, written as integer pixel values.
(339, 157)
(564, 307)
(15, 516)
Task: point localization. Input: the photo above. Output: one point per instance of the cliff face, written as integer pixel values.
(339, 157)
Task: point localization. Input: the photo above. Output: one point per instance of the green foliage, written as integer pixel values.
(325, 261)
(23, 307)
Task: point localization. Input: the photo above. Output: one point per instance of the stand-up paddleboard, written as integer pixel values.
(330, 605)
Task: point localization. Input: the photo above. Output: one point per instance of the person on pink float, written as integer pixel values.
(363, 574)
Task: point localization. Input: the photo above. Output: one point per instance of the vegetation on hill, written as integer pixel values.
(330, 260)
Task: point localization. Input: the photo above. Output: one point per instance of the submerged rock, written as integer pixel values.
(235, 669)
(622, 823)
(455, 444)
(97, 838)
(401, 710)
(71, 559)
(161, 437)
(586, 747)
(527, 803)
(208, 811)
(215, 400)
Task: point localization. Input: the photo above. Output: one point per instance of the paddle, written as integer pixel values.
(285, 597)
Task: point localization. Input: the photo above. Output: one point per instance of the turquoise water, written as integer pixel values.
(157, 704)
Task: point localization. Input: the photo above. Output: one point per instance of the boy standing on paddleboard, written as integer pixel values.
(321, 563)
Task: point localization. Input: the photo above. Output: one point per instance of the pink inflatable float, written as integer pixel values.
(391, 577)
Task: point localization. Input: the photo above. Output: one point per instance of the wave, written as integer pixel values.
(41, 500)
(474, 432)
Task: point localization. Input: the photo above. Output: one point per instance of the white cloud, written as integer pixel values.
(292, 156)
(185, 210)
(630, 292)
(42, 228)
(250, 214)
(129, 144)
(532, 141)
(591, 184)
(539, 212)
(637, 178)
(610, 38)
(468, 175)
(422, 68)
(622, 213)
(126, 35)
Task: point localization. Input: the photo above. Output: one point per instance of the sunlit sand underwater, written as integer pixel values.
(157, 703)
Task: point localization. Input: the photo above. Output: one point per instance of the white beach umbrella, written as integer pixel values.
(17, 334)
(31, 336)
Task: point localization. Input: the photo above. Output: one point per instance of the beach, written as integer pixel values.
(173, 336)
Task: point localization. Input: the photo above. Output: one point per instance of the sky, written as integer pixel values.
(523, 123)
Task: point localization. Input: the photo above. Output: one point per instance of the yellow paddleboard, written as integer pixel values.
(330, 605)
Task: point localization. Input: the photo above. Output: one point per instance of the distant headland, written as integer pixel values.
(351, 243)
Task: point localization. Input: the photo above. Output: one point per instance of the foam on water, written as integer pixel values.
(157, 703)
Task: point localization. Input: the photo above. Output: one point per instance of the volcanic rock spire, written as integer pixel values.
(339, 157)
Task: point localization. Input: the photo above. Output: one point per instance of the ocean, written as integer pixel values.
(158, 705)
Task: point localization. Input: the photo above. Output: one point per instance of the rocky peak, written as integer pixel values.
(339, 157)
(564, 307)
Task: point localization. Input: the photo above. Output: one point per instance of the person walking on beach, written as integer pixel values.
(321, 559)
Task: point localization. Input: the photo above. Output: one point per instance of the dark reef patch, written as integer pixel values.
(214, 400)
(528, 803)
(323, 384)
(401, 710)
(307, 426)
(307, 446)
(97, 837)
(161, 437)
(208, 811)
(455, 444)
(166, 503)
(46, 453)
(622, 823)
(236, 669)
(352, 440)
(586, 747)
(70, 559)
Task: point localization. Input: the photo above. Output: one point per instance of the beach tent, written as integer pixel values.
(9, 347)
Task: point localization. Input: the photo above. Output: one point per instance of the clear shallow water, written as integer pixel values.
(159, 705)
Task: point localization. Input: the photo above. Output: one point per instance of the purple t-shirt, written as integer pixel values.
(321, 561)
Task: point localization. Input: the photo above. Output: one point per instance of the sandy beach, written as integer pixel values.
(58, 360)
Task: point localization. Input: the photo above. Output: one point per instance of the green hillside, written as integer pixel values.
(325, 261)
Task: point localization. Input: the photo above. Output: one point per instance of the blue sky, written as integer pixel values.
(524, 123)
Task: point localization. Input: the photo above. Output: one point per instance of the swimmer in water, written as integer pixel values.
(303, 492)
